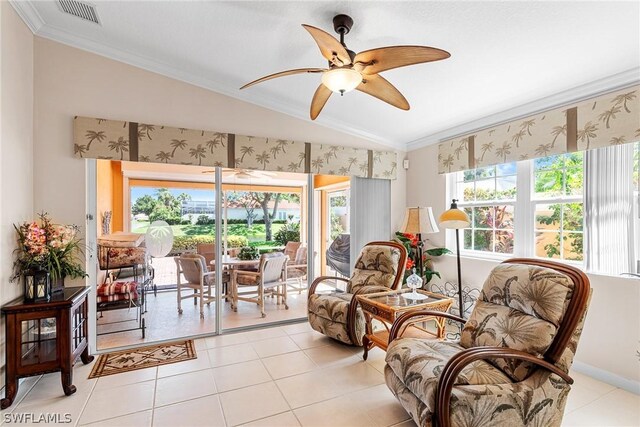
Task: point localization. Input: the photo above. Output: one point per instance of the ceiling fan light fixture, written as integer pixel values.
(341, 80)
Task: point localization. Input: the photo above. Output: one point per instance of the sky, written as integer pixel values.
(195, 194)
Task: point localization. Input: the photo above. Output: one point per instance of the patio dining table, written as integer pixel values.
(233, 263)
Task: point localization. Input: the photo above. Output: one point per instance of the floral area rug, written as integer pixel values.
(144, 357)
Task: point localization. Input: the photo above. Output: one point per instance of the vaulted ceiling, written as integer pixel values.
(506, 57)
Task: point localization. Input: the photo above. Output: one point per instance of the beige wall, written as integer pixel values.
(612, 331)
(71, 82)
(16, 144)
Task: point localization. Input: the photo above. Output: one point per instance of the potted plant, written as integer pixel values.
(410, 242)
(47, 253)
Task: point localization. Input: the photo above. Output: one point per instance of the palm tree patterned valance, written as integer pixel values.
(599, 122)
(121, 140)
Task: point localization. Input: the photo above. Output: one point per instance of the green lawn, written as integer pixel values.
(253, 233)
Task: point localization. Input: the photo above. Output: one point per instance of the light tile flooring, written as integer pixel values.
(163, 321)
(282, 376)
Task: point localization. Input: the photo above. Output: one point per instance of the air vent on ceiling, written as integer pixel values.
(80, 9)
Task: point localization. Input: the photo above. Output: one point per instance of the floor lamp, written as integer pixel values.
(419, 221)
(456, 219)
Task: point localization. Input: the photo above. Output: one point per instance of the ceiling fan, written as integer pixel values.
(348, 70)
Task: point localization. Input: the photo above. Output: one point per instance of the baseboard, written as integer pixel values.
(607, 377)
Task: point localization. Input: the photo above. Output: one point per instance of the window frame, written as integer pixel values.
(452, 184)
(524, 215)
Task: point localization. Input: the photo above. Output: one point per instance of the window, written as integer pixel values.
(488, 196)
(548, 208)
(558, 209)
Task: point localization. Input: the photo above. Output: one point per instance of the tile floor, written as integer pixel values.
(163, 321)
(282, 376)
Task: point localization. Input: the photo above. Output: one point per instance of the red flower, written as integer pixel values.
(410, 264)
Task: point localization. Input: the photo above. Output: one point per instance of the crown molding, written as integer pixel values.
(149, 64)
(29, 14)
(570, 96)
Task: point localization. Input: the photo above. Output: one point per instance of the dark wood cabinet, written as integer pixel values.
(46, 337)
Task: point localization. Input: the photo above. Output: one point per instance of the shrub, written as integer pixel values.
(248, 253)
(289, 233)
(185, 222)
(237, 241)
(262, 243)
(186, 243)
(189, 243)
(275, 221)
(204, 220)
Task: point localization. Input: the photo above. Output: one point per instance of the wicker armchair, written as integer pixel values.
(380, 267)
(512, 362)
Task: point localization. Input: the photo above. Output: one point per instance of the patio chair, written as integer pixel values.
(380, 267)
(194, 269)
(291, 249)
(270, 278)
(208, 251)
(297, 270)
(511, 365)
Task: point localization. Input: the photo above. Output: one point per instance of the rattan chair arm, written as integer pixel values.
(455, 365)
(254, 274)
(316, 282)
(400, 321)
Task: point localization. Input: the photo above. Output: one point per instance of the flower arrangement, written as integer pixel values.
(45, 246)
(410, 242)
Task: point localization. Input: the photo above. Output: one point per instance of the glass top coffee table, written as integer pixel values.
(386, 307)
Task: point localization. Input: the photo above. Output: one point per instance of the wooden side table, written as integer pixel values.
(46, 337)
(388, 306)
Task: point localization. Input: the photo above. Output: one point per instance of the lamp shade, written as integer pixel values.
(454, 217)
(419, 221)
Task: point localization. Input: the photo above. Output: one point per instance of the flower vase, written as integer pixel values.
(57, 285)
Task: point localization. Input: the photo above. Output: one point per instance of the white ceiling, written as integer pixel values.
(504, 55)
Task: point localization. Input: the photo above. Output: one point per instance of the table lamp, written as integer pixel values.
(419, 221)
(456, 219)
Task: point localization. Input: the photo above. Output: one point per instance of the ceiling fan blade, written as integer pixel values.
(330, 48)
(319, 99)
(284, 73)
(385, 58)
(380, 88)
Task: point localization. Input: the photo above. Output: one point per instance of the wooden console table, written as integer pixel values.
(386, 307)
(46, 337)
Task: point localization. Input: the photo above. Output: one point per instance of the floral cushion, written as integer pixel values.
(377, 265)
(113, 257)
(538, 401)
(520, 307)
(328, 315)
(418, 363)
